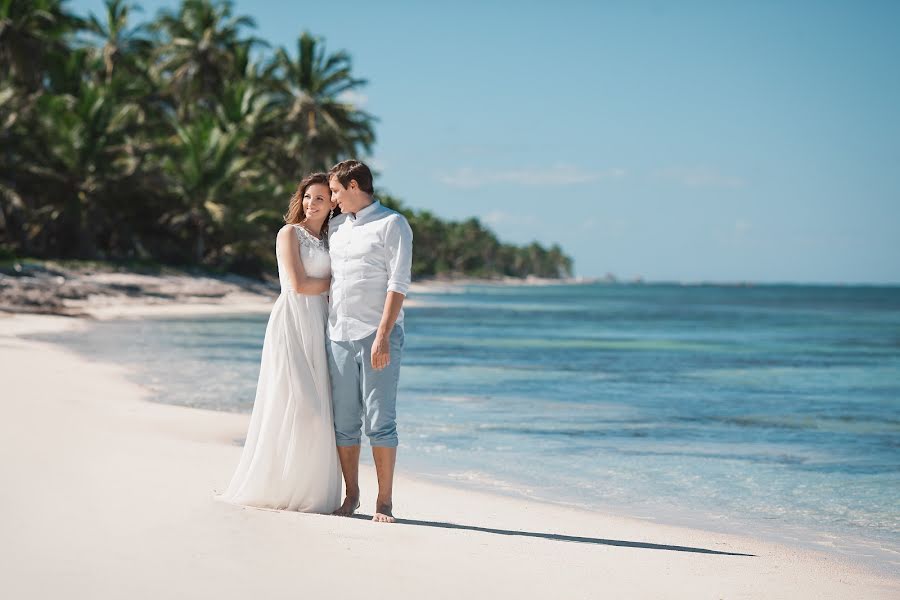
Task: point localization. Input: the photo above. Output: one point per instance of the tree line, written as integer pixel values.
(180, 140)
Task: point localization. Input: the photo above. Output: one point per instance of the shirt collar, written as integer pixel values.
(367, 210)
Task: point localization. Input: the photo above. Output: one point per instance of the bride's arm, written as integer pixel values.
(287, 249)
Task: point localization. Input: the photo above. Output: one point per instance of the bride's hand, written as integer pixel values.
(381, 352)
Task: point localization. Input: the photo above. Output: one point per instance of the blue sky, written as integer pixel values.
(688, 141)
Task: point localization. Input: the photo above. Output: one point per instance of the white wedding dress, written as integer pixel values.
(289, 460)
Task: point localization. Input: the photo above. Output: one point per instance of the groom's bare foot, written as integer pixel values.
(383, 514)
(351, 503)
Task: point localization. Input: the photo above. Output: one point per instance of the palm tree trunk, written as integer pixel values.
(199, 242)
(70, 237)
(85, 232)
(108, 52)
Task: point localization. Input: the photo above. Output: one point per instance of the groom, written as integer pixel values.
(371, 256)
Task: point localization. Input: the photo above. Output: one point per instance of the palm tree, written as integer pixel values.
(245, 102)
(560, 264)
(120, 42)
(206, 172)
(313, 89)
(31, 31)
(84, 150)
(465, 241)
(429, 233)
(190, 152)
(16, 112)
(202, 40)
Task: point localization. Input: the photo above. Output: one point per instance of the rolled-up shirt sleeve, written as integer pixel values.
(398, 241)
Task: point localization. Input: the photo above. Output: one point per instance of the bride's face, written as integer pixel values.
(317, 203)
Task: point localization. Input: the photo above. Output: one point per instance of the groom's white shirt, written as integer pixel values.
(371, 255)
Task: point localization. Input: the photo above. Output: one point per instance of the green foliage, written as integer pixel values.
(310, 89)
(164, 142)
(469, 248)
(32, 37)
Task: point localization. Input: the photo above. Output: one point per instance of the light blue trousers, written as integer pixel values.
(362, 395)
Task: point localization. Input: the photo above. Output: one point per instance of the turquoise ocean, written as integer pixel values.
(765, 410)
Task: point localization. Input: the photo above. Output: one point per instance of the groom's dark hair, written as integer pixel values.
(347, 170)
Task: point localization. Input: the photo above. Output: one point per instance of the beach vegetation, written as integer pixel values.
(180, 139)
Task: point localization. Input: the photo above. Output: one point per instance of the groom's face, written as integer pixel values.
(346, 197)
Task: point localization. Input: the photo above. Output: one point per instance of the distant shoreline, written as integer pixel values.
(109, 290)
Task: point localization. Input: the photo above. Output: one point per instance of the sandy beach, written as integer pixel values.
(108, 495)
(106, 291)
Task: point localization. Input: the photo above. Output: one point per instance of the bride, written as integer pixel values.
(290, 460)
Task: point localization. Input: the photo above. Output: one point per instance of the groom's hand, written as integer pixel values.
(381, 351)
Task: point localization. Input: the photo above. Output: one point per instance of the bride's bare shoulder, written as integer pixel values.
(286, 234)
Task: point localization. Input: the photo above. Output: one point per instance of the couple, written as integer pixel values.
(363, 258)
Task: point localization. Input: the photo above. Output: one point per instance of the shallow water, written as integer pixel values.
(771, 409)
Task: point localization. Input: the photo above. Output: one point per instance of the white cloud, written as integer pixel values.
(376, 164)
(468, 177)
(496, 217)
(357, 99)
(698, 177)
(605, 226)
(742, 226)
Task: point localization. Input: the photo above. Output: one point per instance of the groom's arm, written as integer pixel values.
(381, 347)
(398, 256)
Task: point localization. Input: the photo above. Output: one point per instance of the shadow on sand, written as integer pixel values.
(559, 537)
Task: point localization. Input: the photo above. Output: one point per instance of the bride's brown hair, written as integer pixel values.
(295, 213)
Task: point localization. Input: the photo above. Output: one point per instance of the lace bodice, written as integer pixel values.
(313, 254)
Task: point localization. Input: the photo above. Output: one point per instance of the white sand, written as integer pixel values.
(106, 495)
